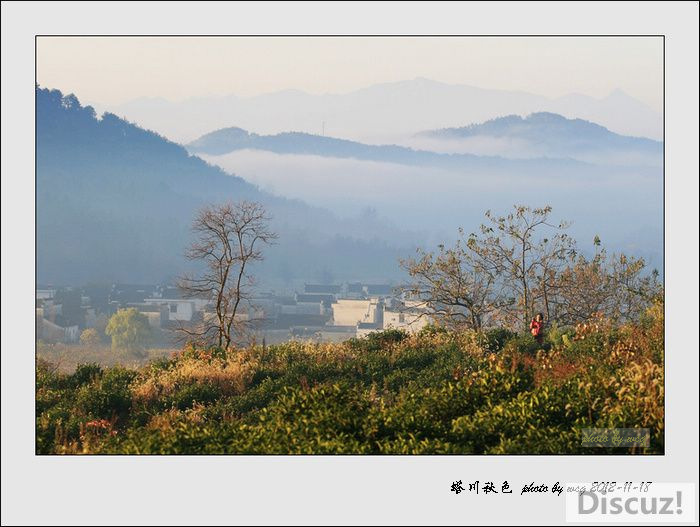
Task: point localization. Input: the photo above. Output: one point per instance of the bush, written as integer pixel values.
(493, 340)
(108, 397)
(85, 374)
(430, 330)
(437, 392)
(377, 340)
(191, 394)
(523, 344)
(90, 337)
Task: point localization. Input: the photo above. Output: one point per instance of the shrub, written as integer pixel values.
(189, 380)
(108, 397)
(377, 340)
(431, 330)
(90, 337)
(523, 344)
(436, 392)
(85, 374)
(493, 340)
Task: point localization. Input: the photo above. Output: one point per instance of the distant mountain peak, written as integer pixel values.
(516, 125)
(426, 80)
(231, 131)
(545, 117)
(548, 134)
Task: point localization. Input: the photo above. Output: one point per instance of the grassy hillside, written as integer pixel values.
(433, 393)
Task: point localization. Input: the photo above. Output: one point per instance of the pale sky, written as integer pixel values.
(112, 70)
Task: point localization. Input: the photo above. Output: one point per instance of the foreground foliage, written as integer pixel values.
(438, 392)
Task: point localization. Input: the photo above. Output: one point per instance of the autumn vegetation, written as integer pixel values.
(475, 381)
(437, 392)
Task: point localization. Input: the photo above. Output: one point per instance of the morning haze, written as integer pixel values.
(396, 141)
(113, 70)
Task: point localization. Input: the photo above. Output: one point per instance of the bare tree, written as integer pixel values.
(228, 238)
(526, 260)
(585, 287)
(497, 276)
(454, 284)
(618, 287)
(635, 289)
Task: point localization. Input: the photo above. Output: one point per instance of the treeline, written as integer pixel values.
(521, 264)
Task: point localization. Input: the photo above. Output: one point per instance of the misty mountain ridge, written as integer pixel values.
(541, 126)
(380, 113)
(550, 135)
(593, 177)
(561, 143)
(232, 139)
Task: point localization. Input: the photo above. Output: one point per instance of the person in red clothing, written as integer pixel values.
(536, 328)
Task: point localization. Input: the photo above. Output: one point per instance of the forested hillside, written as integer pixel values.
(115, 203)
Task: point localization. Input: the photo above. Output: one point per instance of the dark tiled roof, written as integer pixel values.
(380, 289)
(287, 321)
(320, 288)
(126, 293)
(315, 299)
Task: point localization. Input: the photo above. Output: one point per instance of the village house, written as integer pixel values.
(378, 290)
(45, 294)
(51, 332)
(179, 309)
(350, 312)
(365, 328)
(314, 303)
(321, 289)
(408, 318)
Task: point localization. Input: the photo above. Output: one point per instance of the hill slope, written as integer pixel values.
(114, 203)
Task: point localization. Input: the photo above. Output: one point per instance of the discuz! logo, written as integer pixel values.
(630, 502)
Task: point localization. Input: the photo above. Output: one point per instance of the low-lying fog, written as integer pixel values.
(436, 202)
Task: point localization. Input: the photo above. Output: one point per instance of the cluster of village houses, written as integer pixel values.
(330, 313)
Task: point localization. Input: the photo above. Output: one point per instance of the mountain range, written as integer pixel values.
(571, 144)
(115, 201)
(606, 184)
(380, 113)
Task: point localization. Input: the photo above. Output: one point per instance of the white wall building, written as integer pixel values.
(153, 317)
(45, 294)
(408, 320)
(347, 312)
(178, 308)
